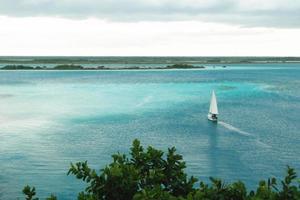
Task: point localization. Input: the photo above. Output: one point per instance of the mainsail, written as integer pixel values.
(213, 109)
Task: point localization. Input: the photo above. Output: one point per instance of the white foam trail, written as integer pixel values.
(262, 144)
(144, 101)
(235, 129)
(244, 133)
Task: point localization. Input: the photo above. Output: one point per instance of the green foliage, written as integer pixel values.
(52, 197)
(15, 67)
(289, 191)
(150, 174)
(68, 67)
(218, 190)
(29, 193)
(145, 171)
(183, 66)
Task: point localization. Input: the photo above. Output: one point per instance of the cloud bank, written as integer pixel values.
(251, 13)
(95, 37)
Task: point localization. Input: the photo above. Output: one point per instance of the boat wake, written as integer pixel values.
(144, 101)
(244, 133)
(234, 129)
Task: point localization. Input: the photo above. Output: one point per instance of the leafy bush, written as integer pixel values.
(68, 67)
(151, 175)
(15, 67)
(183, 66)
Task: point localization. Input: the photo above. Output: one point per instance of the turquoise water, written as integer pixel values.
(51, 118)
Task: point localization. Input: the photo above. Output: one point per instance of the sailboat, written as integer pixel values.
(213, 108)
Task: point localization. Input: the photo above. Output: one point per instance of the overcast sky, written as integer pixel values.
(150, 27)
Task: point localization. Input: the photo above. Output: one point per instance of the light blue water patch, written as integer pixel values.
(51, 118)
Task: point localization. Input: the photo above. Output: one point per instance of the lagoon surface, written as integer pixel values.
(51, 118)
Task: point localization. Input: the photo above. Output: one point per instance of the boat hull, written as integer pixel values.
(211, 118)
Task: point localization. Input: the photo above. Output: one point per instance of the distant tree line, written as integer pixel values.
(183, 66)
(79, 67)
(143, 60)
(19, 67)
(149, 174)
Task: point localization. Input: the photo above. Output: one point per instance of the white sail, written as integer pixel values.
(213, 109)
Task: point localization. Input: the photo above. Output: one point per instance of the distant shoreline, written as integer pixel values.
(79, 67)
(133, 63)
(142, 60)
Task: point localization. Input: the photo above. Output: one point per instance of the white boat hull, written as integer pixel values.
(211, 118)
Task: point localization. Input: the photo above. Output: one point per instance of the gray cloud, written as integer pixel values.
(256, 13)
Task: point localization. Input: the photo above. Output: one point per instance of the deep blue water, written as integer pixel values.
(51, 118)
